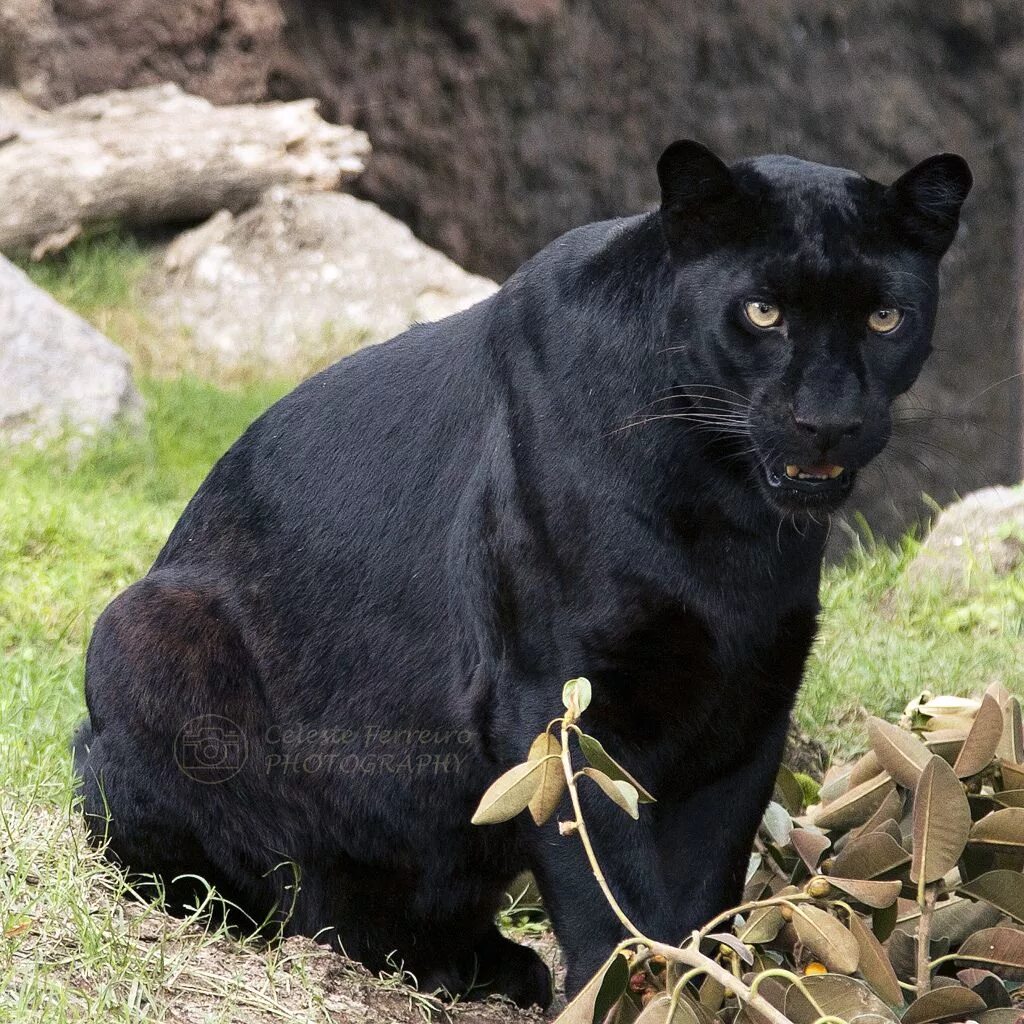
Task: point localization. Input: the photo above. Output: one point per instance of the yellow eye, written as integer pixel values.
(885, 321)
(763, 314)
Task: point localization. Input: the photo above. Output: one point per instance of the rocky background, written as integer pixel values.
(497, 124)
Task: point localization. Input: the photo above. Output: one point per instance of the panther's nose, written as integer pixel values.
(827, 428)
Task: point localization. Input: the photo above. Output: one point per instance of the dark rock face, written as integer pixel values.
(498, 124)
(58, 50)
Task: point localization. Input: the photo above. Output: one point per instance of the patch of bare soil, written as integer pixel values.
(299, 980)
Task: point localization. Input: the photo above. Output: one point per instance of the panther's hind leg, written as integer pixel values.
(503, 967)
(166, 757)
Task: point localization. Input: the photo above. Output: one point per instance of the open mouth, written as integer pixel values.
(820, 483)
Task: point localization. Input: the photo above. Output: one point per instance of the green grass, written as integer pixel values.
(883, 641)
(96, 274)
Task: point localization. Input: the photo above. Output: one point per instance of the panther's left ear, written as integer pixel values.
(927, 200)
(697, 191)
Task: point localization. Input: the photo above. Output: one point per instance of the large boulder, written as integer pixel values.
(972, 539)
(56, 372)
(300, 280)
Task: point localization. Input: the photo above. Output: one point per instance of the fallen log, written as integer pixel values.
(154, 156)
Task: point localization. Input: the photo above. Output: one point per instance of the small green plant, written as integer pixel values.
(904, 882)
(524, 914)
(96, 273)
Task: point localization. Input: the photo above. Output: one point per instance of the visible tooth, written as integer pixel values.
(835, 471)
(793, 471)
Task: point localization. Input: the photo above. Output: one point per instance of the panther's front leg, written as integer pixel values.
(704, 840)
(585, 925)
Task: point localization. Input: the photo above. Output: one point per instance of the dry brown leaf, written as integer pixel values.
(827, 938)
(980, 746)
(942, 822)
(900, 752)
(552, 785)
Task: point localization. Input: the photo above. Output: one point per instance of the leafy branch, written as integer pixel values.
(915, 850)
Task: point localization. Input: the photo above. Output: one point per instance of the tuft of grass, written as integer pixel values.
(96, 275)
(882, 641)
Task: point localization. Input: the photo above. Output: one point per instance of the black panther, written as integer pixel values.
(621, 465)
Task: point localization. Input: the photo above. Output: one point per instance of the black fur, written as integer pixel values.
(581, 475)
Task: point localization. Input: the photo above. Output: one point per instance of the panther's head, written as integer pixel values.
(806, 297)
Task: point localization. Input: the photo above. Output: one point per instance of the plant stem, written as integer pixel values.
(950, 957)
(742, 908)
(769, 860)
(694, 958)
(581, 830)
(924, 936)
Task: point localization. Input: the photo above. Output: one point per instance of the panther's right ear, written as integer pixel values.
(697, 188)
(927, 199)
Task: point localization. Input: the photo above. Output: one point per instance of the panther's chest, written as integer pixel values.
(678, 709)
(686, 680)
(718, 612)
(679, 653)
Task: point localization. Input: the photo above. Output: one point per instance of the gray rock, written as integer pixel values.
(983, 533)
(302, 279)
(56, 371)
